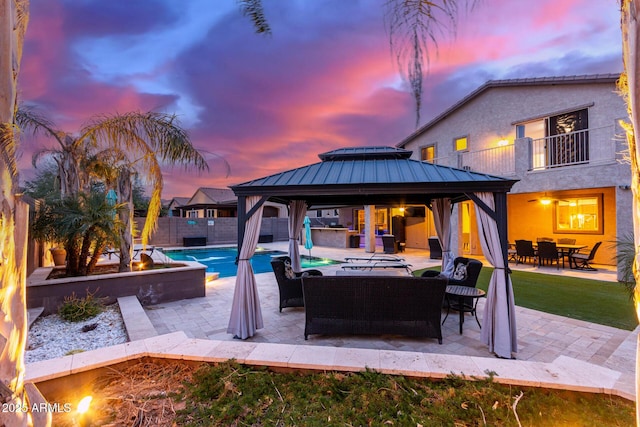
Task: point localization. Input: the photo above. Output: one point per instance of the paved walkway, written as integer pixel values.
(542, 337)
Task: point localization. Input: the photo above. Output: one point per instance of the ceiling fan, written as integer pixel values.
(546, 200)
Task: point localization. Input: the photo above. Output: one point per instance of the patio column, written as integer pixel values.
(369, 228)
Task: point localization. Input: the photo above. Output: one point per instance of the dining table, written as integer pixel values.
(566, 249)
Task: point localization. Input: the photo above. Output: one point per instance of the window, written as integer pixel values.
(569, 138)
(193, 214)
(460, 144)
(558, 140)
(428, 153)
(211, 213)
(579, 215)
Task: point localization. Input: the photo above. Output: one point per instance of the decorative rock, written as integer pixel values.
(52, 337)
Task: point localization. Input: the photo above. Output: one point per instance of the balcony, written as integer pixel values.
(591, 146)
(495, 161)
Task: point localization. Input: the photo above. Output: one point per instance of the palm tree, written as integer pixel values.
(115, 148)
(83, 224)
(13, 218)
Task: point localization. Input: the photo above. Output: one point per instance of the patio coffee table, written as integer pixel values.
(462, 292)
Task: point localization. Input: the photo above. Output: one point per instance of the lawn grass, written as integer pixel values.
(597, 301)
(233, 394)
(177, 393)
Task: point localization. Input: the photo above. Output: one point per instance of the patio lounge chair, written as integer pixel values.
(548, 253)
(582, 260)
(290, 282)
(524, 251)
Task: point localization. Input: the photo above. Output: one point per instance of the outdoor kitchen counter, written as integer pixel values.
(331, 237)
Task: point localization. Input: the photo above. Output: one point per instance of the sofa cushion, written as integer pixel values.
(288, 271)
(460, 273)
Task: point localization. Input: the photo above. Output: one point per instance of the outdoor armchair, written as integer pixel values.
(465, 272)
(290, 282)
(582, 261)
(389, 244)
(435, 250)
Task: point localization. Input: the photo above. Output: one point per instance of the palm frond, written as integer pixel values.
(8, 148)
(414, 28)
(22, 19)
(159, 133)
(254, 10)
(42, 153)
(28, 118)
(625, 257)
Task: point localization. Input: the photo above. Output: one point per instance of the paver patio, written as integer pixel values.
(542, 337)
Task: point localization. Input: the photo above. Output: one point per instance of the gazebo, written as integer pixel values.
(380, 175)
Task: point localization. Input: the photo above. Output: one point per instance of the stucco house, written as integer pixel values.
(209, 202)
(176, 206)
(560, 137)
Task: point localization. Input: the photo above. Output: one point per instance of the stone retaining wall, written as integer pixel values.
(149, 286)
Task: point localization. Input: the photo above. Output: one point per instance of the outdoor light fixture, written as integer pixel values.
(545, 201)
(83, 411)
(503, 142)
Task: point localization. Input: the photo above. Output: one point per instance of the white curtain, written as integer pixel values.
(442, 219)
(246, 315)
(297, 211)
(499, 320)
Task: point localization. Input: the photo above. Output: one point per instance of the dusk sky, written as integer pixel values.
(324, 79)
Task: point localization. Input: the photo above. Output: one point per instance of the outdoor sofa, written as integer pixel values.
(377, 305)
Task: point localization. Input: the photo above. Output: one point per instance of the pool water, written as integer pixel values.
(223, 260)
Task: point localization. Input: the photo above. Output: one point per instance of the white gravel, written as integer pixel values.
(51, 337)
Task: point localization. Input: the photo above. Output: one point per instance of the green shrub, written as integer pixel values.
(75, 309)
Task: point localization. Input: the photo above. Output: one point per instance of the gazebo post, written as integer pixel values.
(500, 199)
(369, 228)
(242, 218)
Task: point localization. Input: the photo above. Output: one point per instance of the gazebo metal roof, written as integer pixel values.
(378, 176)
(371, 175)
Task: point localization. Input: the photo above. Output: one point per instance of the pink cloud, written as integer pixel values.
(325, 79)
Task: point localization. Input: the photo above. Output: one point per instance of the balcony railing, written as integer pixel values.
(495, 161)
(592, 146)
(560, 150)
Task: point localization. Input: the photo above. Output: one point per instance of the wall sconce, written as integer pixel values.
(503, 142)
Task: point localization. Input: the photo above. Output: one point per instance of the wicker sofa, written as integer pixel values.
(371, 304)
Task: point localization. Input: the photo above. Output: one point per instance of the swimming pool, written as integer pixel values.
(223, 260)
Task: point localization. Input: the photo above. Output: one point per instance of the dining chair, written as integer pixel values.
(566, 241)
(566, 253)
(524, 251)
(548, 253)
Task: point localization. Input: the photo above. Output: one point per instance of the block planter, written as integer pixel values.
(187, 280)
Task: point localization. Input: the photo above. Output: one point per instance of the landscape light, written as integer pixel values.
(83, 405)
